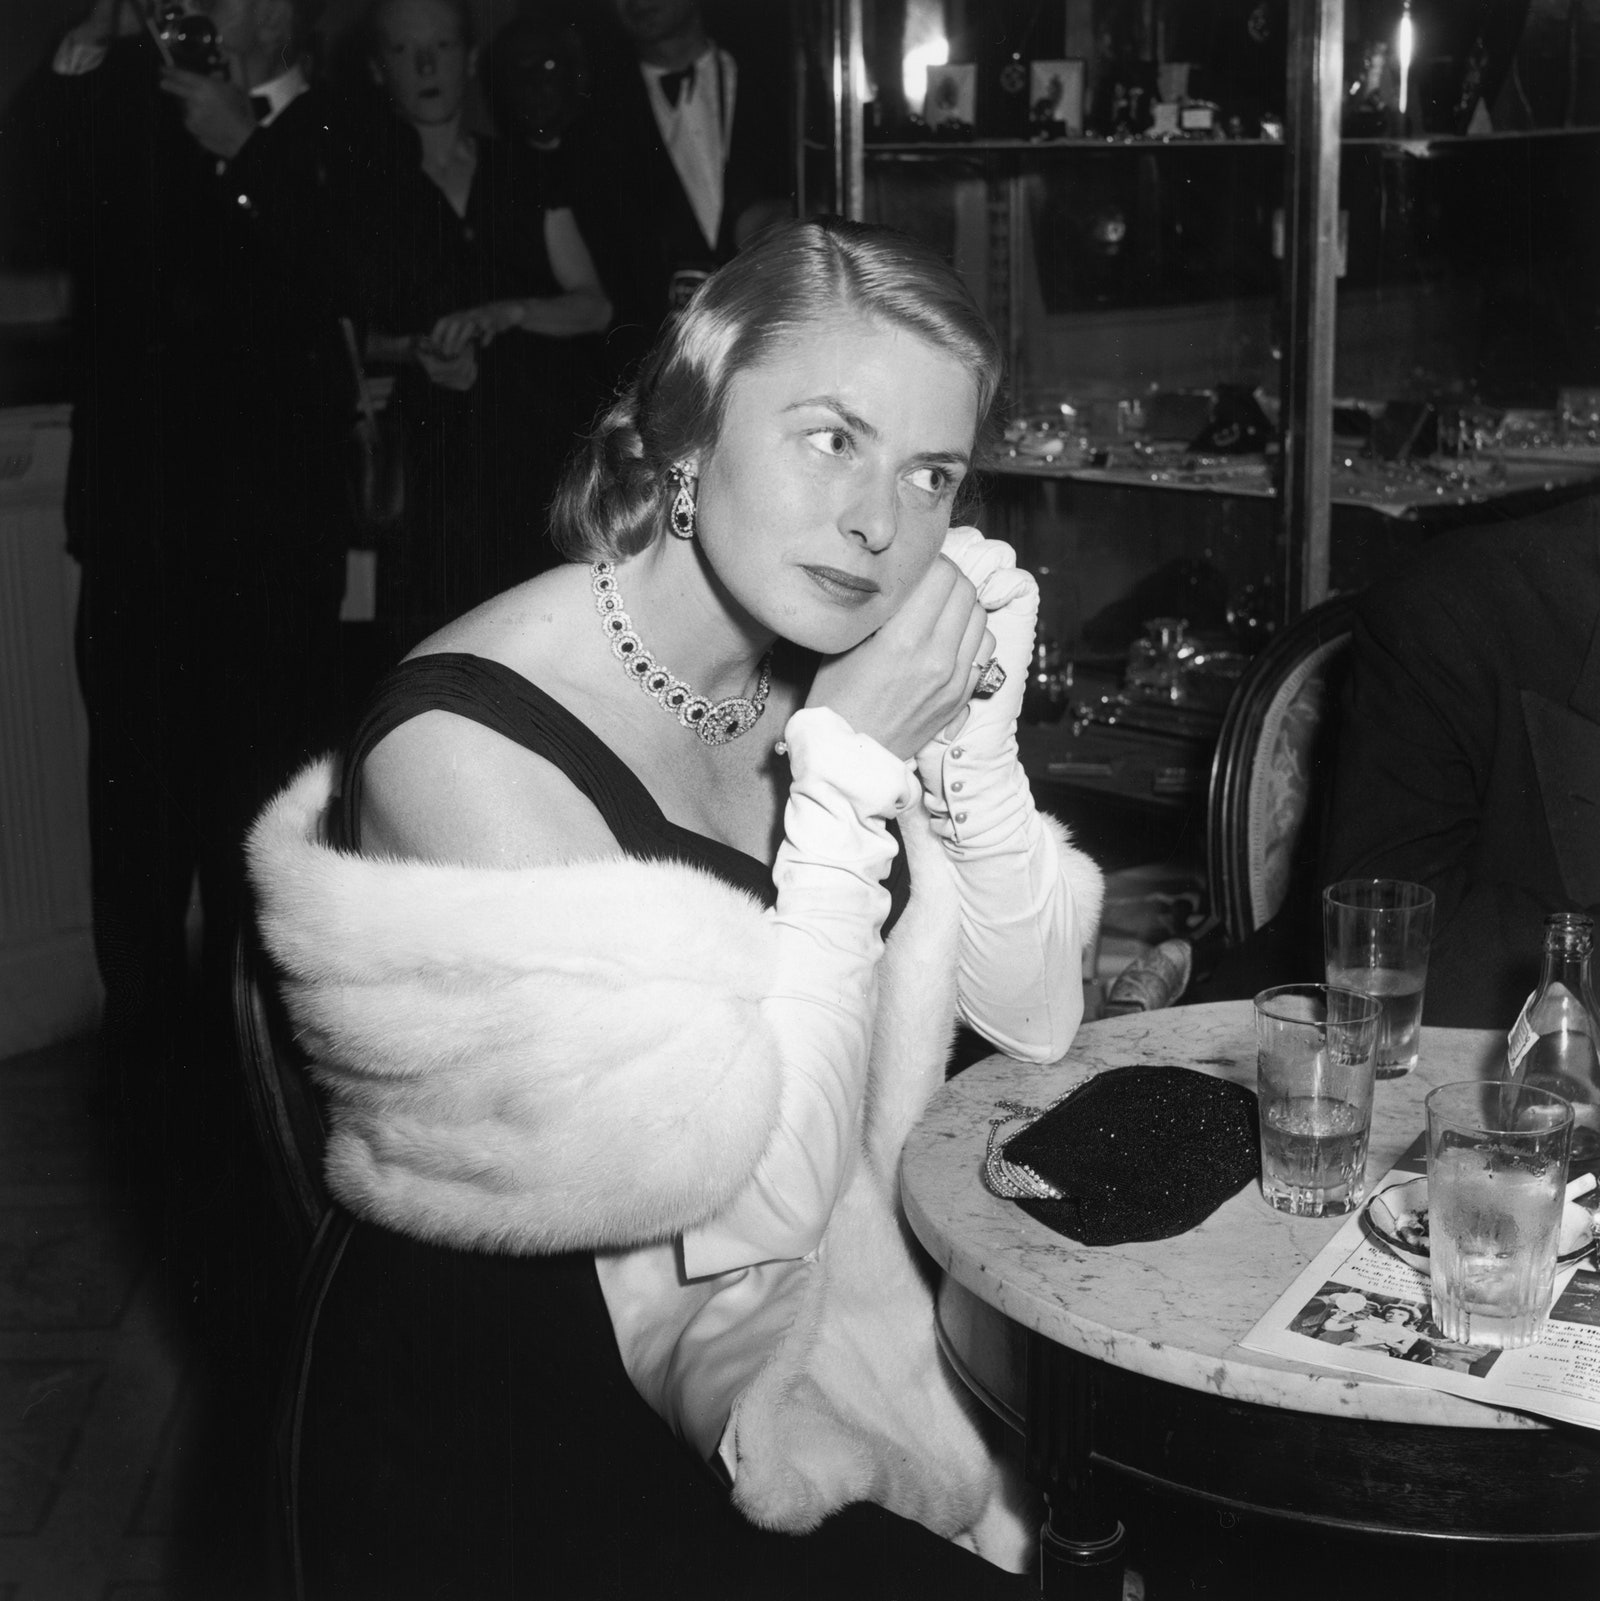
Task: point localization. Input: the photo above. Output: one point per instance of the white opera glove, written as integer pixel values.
(831, 906)
(1029, 901)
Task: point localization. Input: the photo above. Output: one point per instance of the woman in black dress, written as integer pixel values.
(479, 290)
(628, 1001)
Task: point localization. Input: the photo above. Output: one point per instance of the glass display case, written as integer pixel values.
(1286, 286)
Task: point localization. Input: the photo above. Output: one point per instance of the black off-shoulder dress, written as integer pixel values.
(465, 1428)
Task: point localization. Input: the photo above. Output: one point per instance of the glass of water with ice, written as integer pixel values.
(1375, 934)
(1315, 1050)
(1497, 1176)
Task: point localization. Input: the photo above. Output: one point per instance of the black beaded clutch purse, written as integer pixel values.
(1136, 1153)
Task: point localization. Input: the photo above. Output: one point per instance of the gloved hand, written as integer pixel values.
(1010, 596)
(970, 777)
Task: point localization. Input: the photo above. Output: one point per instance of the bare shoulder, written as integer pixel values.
(442, 787)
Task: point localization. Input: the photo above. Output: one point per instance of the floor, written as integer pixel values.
(131, 1357)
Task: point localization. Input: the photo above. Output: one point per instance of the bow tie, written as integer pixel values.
(675, 83)
(261, 105)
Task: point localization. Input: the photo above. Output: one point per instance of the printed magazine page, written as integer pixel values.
(1359, 1308)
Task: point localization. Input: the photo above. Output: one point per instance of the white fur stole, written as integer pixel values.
(574, 1057)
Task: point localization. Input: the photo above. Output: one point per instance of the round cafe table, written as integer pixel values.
(1122, 1364)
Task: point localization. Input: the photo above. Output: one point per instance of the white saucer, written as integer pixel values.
(1398, 1218)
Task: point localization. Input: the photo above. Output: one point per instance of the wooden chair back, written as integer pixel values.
(1272, 770)
(284, 1109)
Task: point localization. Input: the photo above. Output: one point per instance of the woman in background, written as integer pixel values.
(628, 1001)
(479, 289)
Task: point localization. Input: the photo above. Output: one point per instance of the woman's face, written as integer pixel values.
(422, 61)
(828, 495)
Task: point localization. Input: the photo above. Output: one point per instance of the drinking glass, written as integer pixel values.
(1375, 935)
(1314, 1059)
(1497, 1176)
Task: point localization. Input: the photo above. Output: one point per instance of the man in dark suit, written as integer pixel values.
(1470, 754)
(679, 159)
(206, 499)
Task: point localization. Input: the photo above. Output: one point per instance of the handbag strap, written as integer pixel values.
(1012, 1181)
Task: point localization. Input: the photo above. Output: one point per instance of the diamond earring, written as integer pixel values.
(681, 516)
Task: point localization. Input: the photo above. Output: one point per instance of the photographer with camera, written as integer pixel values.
(232, 64)
(206, 497)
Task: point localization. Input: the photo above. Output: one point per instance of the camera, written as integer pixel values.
(189, 41)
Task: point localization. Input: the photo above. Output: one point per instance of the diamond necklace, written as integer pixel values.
(716, 722)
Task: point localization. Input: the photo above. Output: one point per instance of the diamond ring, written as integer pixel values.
(991, 678)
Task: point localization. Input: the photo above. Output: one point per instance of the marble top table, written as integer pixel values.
(1139, 1410)
(1174, 1309)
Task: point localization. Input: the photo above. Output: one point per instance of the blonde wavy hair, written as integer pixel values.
(614, 498)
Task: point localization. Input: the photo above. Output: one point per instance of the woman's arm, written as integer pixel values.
(1030, 902)
(580, 308)
(887, 695)
(831, 906)
(458, 371)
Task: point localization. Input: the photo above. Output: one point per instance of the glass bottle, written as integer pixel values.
(1553, 1043)
(1155, 662)
(1045, 698)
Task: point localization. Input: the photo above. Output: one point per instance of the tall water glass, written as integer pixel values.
(1315, 1046)
(1375, 937)
(1497, 1175)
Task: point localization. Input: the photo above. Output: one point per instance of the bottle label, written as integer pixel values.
(1521, 1038)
